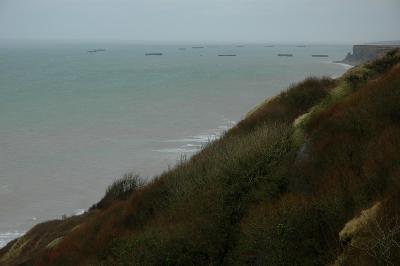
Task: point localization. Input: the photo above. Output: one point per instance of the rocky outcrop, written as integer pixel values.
(350, 233)
(365, 53)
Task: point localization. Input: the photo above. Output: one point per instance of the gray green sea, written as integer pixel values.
(72, 121)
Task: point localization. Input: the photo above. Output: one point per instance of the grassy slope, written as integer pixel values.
(275, 190)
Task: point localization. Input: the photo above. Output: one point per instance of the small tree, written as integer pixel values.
(382, 240)
(120, 189)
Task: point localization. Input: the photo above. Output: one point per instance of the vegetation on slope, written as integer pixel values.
(286, 186)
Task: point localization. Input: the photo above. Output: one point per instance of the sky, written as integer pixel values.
(323, 21)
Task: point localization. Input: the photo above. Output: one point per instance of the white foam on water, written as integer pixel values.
(9, 236)
(79, 212)
(177, 150)
(193, 144)
(198, 139)
(346, 66)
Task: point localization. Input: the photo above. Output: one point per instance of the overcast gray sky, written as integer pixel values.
(343, 21)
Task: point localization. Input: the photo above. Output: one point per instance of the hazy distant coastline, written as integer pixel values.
(367, 52)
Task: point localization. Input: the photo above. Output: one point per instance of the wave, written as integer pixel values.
(192, 144)
(177, 150)
(198, 139)
(79, 212)
(6, 237)
(346, 66)
(9, 236)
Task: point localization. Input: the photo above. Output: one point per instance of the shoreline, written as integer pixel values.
(7, 237)
(346, 67)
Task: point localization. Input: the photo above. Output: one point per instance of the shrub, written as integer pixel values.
(288, 105)
(354, 80)
(301, 97)
(386, 62)
(120, 189)
(375, 235)
(292, 231)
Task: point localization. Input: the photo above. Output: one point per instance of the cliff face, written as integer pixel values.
(365, 53)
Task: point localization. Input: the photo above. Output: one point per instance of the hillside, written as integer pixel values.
(310, 177)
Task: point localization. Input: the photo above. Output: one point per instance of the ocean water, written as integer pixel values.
(72, 121)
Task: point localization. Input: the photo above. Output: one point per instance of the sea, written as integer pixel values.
(72, 121)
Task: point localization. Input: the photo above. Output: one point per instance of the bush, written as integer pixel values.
(386, 62)
(301, 97)
(288, 105)
(292, 231)
(354, 80)
(120, 189)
